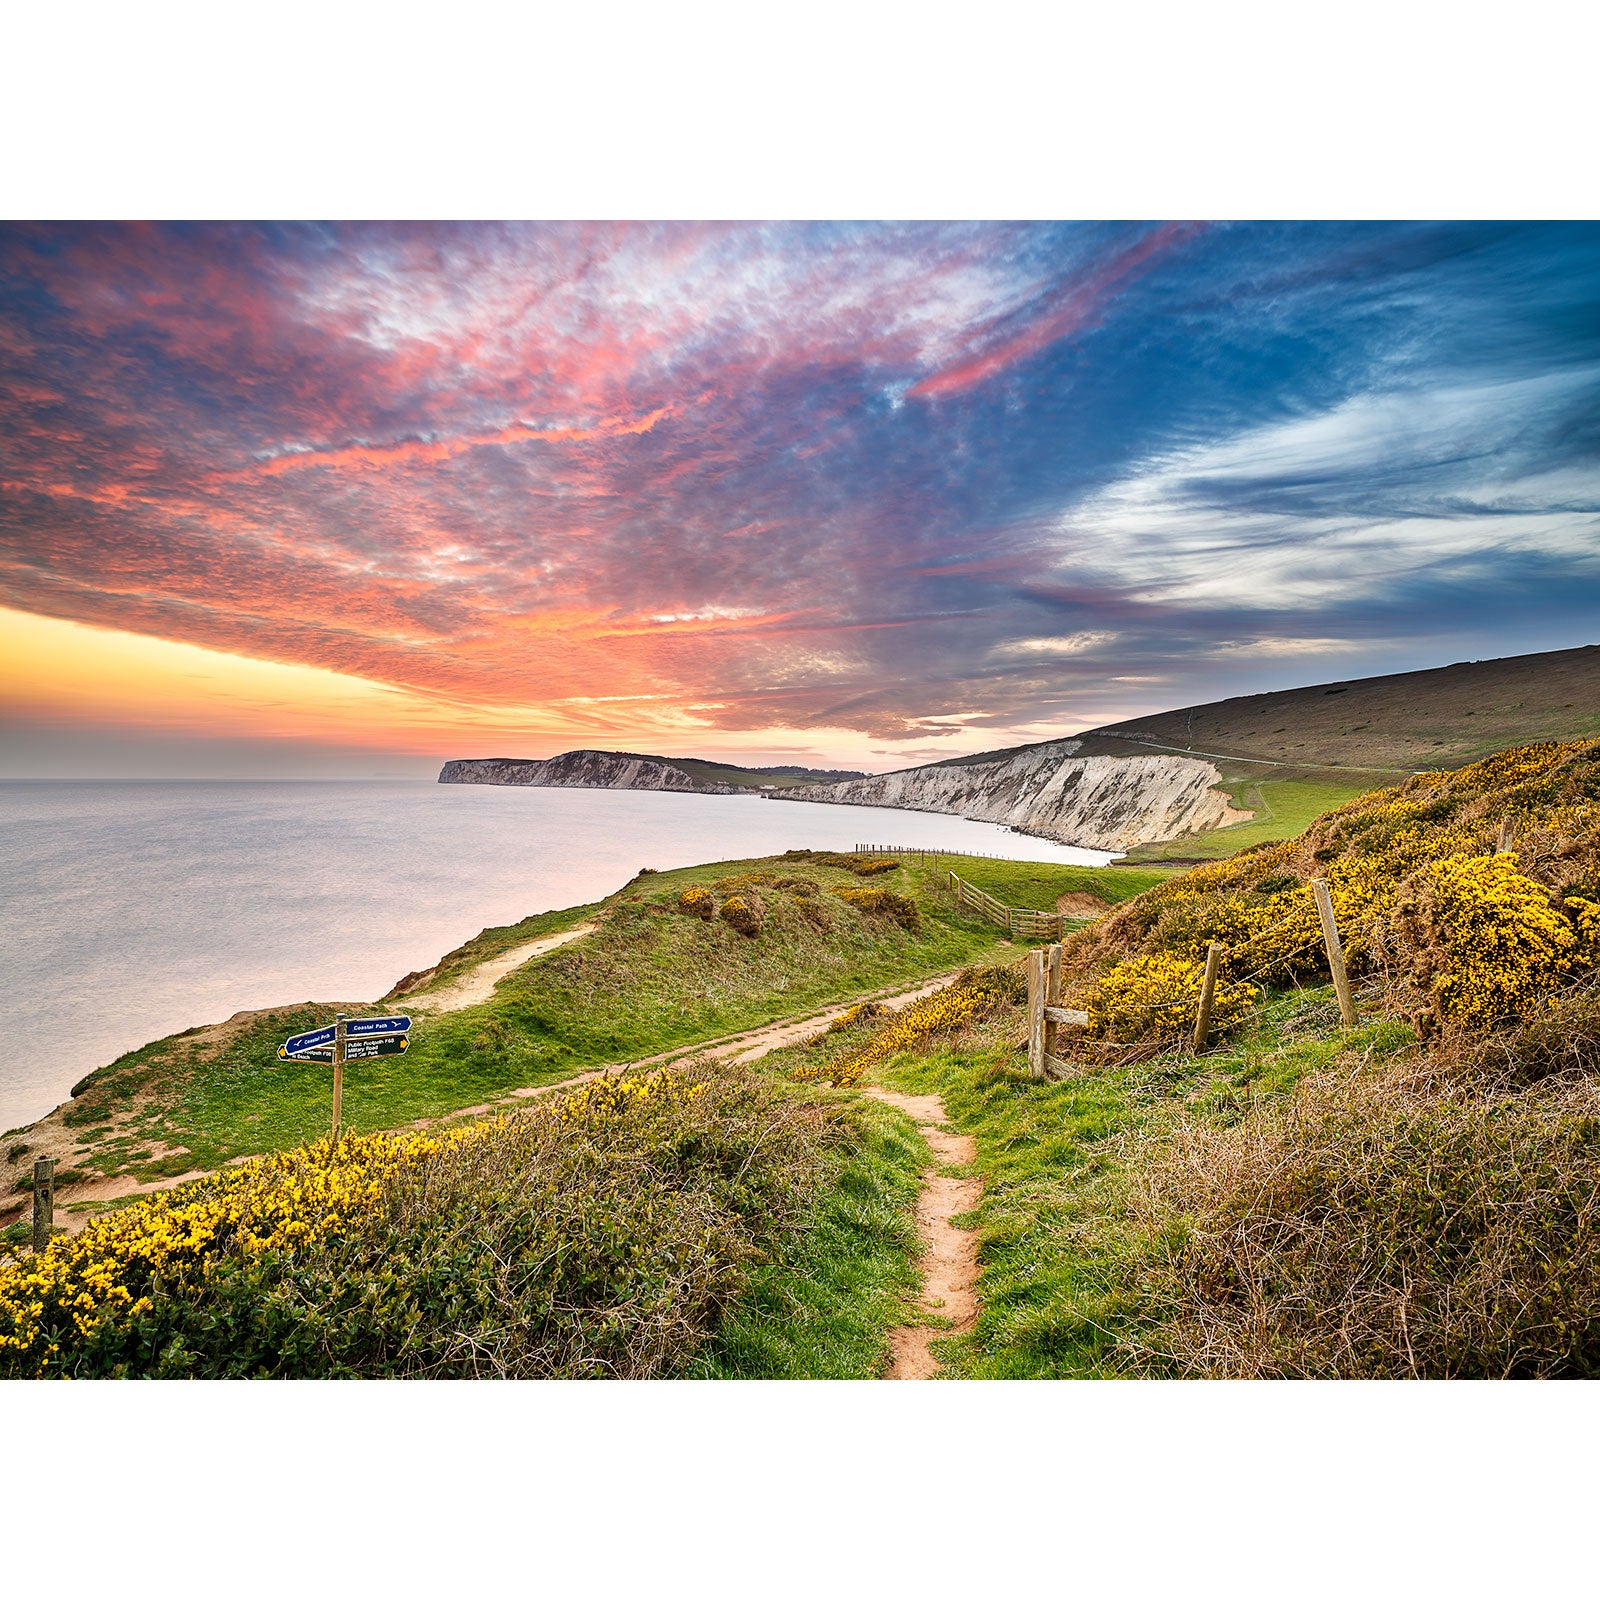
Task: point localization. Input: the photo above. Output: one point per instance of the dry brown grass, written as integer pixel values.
(1438, 1217)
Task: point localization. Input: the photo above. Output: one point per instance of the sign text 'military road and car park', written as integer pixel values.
(354, 1049)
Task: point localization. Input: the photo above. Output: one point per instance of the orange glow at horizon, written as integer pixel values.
(72, 674)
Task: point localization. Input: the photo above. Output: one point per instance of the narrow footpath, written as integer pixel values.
(950, 1261)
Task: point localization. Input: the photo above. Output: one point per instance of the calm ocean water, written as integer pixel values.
(133, 910)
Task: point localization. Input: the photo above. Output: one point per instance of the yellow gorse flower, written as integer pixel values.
(293, 1201)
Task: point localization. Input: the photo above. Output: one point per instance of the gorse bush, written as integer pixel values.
(979, 993)
(741, 913)
(861, 866)
(1477, 941)
(598, 1235)
(1456, 933)
(883, 903)
(697, 902)
(1157, 997)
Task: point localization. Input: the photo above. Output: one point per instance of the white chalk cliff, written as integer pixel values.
(1096, 802)
(584, 769)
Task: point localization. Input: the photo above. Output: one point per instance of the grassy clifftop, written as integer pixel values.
(1443, 717)
(650, 978)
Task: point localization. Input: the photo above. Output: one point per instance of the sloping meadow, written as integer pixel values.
(677, 957)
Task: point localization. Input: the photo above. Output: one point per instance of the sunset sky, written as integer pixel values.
(321, 499)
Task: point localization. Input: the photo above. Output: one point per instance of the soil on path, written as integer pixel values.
(950, 1265)
(474, 987)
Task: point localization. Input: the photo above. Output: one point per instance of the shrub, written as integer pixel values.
(1158, 997)
(883, 903)
(1259, 905)
(697, 902)
(597, 1235)
(1376, 1226)
(979, 993)
(741, 914)
(1477, 941)
(867, 1011)
(861, 866)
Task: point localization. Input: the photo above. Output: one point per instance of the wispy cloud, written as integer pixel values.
(905, 483)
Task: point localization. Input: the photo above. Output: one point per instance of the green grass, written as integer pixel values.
(825, 1308)
(1036, 885)
(649, 980)
(1284, 808)
(1057, 1257)
(493, 942)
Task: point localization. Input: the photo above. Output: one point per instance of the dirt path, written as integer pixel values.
(750, 1045)
(474, 987)
(950, 1265)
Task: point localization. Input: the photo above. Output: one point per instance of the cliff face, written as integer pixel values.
(584, 769)
(1096, 802)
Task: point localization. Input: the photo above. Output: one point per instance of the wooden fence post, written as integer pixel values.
(1208, 988)
(1036, 1003)
(1052, 997)
(1508, 832)
(1330, 938)
(44, 1202)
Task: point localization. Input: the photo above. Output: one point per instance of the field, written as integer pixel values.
(1283, 807)
(1391, 726)
(1037, 885)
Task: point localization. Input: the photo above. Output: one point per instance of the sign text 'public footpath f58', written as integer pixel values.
(347, 1041)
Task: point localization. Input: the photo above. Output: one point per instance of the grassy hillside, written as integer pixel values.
(1410, 1197)
(649, 979)
(1290, 755)
(1444, 717)
(756, 777)
(1281, 808)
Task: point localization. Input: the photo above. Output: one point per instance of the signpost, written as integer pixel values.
(348, 1041)
(354, 1049)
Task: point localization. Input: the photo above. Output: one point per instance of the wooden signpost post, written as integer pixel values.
(338, 1071)
(348, 1041)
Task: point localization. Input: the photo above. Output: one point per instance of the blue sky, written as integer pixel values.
(864, 493)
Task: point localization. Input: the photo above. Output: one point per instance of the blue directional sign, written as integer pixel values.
(318, 1044)
(306, 1041)
(394, 1044)
(366, 1027)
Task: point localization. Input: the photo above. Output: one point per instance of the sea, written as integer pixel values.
(130, 910)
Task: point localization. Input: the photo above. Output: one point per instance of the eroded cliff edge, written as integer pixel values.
(1096, 802)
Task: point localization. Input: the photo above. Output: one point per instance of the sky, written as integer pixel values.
(356, 499)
